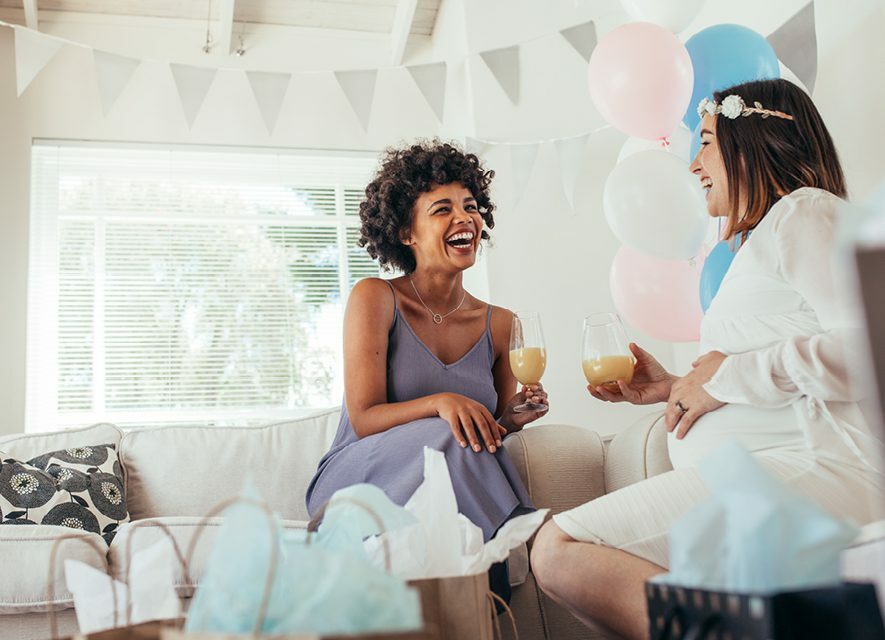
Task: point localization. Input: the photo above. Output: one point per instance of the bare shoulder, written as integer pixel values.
(371, 296)
(500, 325)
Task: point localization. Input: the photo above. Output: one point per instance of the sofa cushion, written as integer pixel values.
(25, 557)
(80, 487)
(185, 471)
(637, 453)
(182, 530)
(25, 446)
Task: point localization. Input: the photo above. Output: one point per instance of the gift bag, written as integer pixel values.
(123, 626)
(847, 611)
(458, 607)
(252, 589)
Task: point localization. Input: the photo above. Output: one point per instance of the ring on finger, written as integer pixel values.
(681, 406)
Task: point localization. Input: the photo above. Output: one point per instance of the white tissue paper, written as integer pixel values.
(444, 543)
(153, 591)
(755, 534)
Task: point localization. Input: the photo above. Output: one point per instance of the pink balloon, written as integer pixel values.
(658, 297)
(641, 80)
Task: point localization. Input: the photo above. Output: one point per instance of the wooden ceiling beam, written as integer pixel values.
(31, 14)
(226, 26)
(402, 27)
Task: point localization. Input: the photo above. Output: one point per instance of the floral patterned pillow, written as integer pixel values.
(81, 488)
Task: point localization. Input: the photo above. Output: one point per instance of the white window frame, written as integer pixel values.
(43, 308)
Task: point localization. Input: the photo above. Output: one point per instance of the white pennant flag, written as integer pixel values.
(582, 38)
(113, 73)
(359, 87)
(504, 65)
(795, 43)
(269, 90)
(431, 81)
(33, 51)
(193, 84)
(571, 153)
(522, 159)
(476, 147)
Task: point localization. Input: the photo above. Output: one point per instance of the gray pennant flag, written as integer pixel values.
(582, 37)
(504, 64)
(571, 153)
(359, 87)
(795, 43)
(431, 82)
(113, 73)
(522, 159)
(193, 84)
(269, 90)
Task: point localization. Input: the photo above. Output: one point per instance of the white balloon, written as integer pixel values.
(674, 15)
(680, 145)
(654, 204)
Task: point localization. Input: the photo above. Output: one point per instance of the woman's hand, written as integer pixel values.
(514, 421)
(469, 421)
(651, 383)
(688, 401)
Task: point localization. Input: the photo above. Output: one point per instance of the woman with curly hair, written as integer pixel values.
(425, 362)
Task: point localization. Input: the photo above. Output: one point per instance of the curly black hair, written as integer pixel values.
(405, 174)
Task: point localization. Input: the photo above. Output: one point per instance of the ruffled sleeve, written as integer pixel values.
(804, 230)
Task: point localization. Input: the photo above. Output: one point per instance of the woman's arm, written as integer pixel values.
(817, 365)
(367, 322)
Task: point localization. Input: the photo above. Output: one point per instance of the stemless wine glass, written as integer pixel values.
(528, 355)
(606, 353)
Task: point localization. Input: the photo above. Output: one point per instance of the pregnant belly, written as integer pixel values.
(755, 428)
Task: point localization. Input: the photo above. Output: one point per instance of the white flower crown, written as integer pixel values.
(734, 107)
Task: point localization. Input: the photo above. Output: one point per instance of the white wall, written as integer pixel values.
(544, 257)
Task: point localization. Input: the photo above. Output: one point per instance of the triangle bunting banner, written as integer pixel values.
(113, 73)
(431, 82)
(269, 90)
(33, 51)
(795, 43)
(582, 37)
(193, 84)
(504, 65)
(359, 87)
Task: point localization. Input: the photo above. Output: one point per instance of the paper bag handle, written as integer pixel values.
(50, 587)
(275, 550)
(315, 522)
(493, 598)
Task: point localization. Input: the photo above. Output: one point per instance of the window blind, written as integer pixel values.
(183, 286)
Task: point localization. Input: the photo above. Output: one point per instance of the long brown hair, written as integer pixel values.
(767, 158)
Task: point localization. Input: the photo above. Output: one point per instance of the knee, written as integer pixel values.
(547, 557)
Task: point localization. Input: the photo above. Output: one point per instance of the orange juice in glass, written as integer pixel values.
(606, 356)
(528, 355)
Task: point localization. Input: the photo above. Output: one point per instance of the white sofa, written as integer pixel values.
(174, 475)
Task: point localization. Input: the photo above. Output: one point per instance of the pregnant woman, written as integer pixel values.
(777, 343)
(426, 364)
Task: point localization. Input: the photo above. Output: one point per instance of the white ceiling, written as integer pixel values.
(352, 15)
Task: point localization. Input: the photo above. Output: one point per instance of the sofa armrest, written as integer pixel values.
(637, 453)
(562, 466)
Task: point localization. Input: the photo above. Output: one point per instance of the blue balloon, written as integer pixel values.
(715, 267)
(724, 55)
(695, 145)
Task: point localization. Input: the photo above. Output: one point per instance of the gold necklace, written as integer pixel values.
(437, 318)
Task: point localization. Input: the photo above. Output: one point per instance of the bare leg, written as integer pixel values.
(600, 585)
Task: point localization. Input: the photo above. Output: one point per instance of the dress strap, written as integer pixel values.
(489, 319)
(393, 292)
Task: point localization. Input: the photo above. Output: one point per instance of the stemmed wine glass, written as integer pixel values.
(606, 356)
(528, 355)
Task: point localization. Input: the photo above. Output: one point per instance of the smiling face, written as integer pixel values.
(446, 228)
(710, 169)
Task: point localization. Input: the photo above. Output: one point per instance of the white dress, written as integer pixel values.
(790, 338)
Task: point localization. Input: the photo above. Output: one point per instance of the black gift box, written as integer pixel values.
(844, 612)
